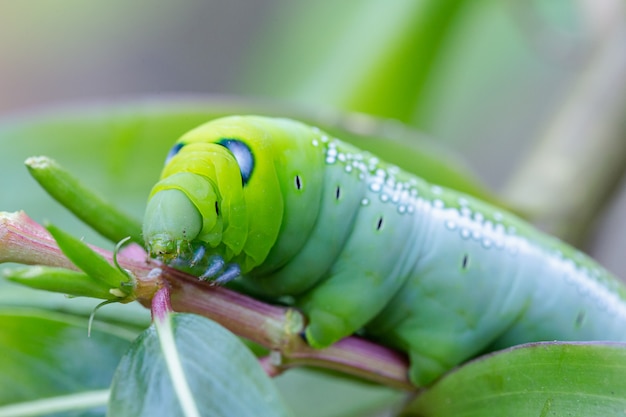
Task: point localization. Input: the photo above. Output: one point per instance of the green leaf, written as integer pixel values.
(88, 206)
(539, 379)
(60, 280)
(48, 356)
(188, 365)
(92, 263)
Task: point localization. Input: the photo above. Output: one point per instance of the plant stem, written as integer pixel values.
(277, 328)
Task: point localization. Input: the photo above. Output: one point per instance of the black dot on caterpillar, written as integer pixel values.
(217, 208)
(337, 193)
(298, 182)
(465, 262)
(379, 224)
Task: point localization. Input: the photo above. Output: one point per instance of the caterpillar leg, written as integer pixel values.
(216, 264)
(231, 272)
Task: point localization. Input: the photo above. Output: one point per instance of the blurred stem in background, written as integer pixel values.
(580, 154)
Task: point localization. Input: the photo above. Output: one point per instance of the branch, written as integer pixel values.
(277, 328)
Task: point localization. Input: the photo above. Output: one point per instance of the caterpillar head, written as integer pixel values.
(202, 216)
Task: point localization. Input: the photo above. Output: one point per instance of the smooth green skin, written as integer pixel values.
(363, 244)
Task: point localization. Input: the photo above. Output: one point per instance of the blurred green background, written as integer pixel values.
(487, 78)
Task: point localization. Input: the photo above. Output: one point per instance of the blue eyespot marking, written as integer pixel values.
(243, 155)
(173, 151)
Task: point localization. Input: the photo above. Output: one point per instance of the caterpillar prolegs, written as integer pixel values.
(359, 244)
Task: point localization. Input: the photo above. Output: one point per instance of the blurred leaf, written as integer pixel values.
(44, 355)
(192, 366)
(540, 379)
(372, 56)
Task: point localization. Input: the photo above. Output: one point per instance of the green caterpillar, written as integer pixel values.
(361, 245)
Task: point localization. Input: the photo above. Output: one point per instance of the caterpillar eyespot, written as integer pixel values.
(394, 236)
(173, 151)
(242, 154)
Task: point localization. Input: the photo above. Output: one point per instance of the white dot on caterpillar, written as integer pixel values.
(348, 168)
(365, 201)
(401, 209)
(315, 142)
(324, 139)
(384, 197)
(342, 157)
(375, 186)
(436, 189)
(463, 201)
(450, 225)
(465, 233)
(331, 152)
(438, 204)
(479, 217)
(330, 160)
(380, 172)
